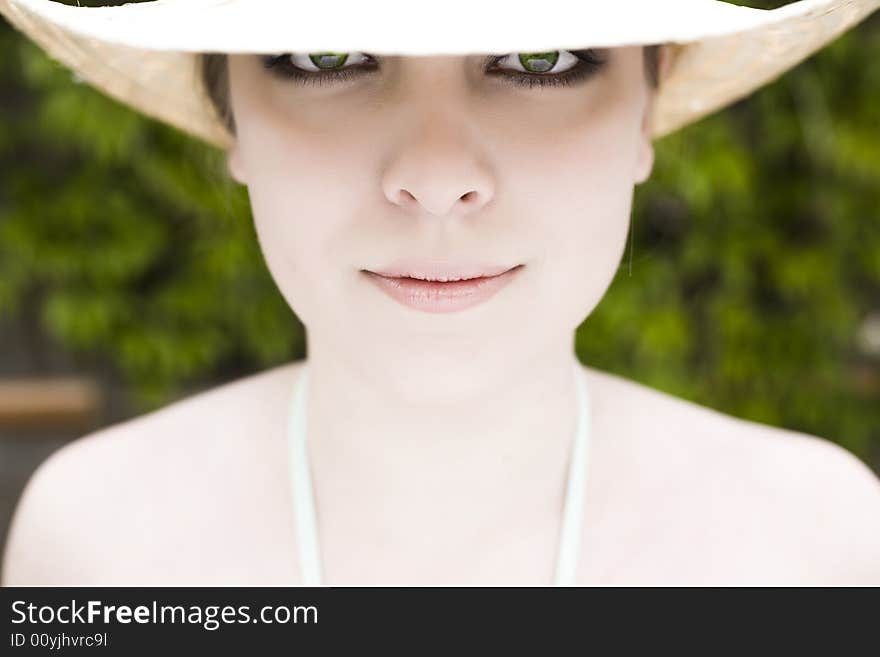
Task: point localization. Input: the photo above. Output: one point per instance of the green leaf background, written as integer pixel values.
(752, 269)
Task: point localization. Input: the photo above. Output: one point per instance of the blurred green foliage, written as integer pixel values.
(753, 262)
(754, 258)
(135, 245)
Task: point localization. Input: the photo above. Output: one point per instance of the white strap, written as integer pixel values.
(573, 509)
(304, 504)
(301, 484)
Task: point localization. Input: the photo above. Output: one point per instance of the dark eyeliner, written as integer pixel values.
(280, 65)
(590, 62)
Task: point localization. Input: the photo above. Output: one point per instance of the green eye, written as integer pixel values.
(539, 62)
(328, 60)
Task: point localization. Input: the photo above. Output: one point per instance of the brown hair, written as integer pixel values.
(213, 72)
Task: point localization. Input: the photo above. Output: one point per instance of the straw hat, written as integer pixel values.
(143, 54)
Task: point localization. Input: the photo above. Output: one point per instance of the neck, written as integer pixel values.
(501, 433)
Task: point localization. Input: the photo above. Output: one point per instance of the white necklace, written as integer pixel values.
(304, 504)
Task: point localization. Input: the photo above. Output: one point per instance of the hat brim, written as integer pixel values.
(144, 54)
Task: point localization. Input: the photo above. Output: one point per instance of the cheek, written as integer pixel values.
(573, 184)
(306, 185)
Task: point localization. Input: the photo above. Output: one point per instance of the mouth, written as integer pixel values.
(443, 291)
(441, 272)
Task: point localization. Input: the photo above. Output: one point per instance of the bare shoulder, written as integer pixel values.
(111, 488)
(750, 488)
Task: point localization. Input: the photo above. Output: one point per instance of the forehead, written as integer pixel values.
(433, 60)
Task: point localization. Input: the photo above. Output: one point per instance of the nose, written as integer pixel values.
(438, 169)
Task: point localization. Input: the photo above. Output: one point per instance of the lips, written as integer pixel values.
(440, 271)
(435, 296)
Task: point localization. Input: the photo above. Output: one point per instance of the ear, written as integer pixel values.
(645, 158)
(234, 164)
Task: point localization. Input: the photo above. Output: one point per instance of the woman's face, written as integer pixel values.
(440, 158)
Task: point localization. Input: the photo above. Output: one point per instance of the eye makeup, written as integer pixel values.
(282, 67)
(588, 62)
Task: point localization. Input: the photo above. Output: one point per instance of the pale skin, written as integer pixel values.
(439, 443)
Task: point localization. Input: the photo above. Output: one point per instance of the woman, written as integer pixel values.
(440, 440)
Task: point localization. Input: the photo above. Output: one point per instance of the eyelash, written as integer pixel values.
(589, 62)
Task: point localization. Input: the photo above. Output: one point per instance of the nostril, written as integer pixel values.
(406, 198)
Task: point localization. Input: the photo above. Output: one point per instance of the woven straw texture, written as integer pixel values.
(719, 52)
